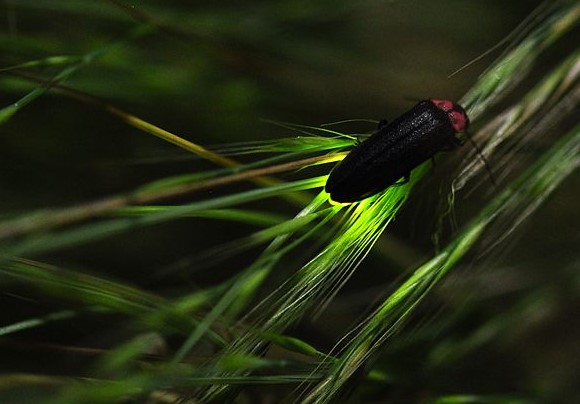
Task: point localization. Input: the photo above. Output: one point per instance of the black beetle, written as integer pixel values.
(396, 148)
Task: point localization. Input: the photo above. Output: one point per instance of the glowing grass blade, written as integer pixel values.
(321, 278)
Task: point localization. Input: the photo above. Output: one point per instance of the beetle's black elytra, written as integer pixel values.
(396, 148)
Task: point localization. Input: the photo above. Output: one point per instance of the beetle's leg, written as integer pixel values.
(382, 123)
(406, 178)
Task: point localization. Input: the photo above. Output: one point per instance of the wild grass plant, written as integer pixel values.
(228, 320)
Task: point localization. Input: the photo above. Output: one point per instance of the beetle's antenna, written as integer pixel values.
(348, 121)
(480, 154)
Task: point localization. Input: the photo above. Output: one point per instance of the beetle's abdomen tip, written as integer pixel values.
(340, 197)
(333, 191)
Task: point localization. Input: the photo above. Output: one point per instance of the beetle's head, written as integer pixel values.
(457, 115)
